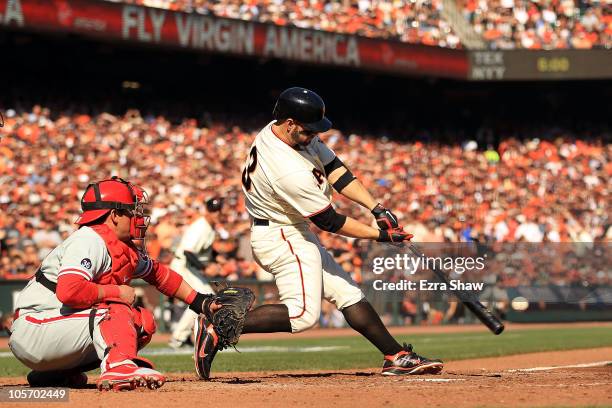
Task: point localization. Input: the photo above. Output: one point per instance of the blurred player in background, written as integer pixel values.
(193, 254)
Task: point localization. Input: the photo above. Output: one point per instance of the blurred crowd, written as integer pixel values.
(544, 24)
(520, 190)
(514, 264)
(504, 24)
(415, 21)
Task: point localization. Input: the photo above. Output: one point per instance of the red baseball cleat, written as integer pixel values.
(128, 377)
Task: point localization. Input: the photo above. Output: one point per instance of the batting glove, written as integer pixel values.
(385, 219)
(394, 235)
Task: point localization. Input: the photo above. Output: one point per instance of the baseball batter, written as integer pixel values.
(287, 180)
(76, 314)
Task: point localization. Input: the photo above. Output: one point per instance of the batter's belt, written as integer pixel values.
(260, 222)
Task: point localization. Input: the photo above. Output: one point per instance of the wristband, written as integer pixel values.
(191, 297)
(200, 304)
(110, 292)
(378, 208)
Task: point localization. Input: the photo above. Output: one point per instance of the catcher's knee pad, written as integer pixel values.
(119, 333)
(144, 321)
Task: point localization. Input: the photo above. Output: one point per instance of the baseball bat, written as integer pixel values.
(482, 313)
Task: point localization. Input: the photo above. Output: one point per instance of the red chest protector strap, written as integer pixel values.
(124, 257)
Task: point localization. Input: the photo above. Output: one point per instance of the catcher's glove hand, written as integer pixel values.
(385, 219)
(228, 321)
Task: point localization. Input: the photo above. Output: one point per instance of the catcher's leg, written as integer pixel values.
(57, 347)
(117, 338)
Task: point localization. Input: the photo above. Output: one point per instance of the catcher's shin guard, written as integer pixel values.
(118, 330)
(206, 342)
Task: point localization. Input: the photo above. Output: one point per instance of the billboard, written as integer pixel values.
(206, 33)
(540, 65)
(211, 34)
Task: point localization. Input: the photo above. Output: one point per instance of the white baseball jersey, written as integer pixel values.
(197, 238)
(283, 184)
(286, 186)
(84, 254)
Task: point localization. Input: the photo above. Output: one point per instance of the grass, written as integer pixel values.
(356, 352)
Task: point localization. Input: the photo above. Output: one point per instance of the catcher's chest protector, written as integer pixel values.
(124, 258)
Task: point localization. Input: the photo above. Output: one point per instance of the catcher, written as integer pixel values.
(76, 313)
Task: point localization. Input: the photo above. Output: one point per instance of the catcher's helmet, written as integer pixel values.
(116, 194)
(304, 106)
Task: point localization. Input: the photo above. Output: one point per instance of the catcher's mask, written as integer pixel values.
(116, 194)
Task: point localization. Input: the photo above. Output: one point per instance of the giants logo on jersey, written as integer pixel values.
(318, 175)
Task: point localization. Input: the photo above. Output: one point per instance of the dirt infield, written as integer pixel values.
(483, 382)
(562, 378)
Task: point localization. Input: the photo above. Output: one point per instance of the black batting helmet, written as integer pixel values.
(304, 106)
(214, 204)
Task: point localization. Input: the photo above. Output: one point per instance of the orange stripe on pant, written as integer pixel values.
(301, 277)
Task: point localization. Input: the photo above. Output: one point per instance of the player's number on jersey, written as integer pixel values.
(318, 175)
(246, 173)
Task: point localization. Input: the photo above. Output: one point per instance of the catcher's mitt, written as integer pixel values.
(229, 320)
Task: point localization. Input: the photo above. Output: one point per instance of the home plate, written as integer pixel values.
(434, 379)
(585, 365)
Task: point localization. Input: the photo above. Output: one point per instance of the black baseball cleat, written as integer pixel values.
(70, 379)
(206, 341)
(409, 362)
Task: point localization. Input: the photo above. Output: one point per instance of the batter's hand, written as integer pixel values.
(394, 235)
(385, 219)
(127, 294)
